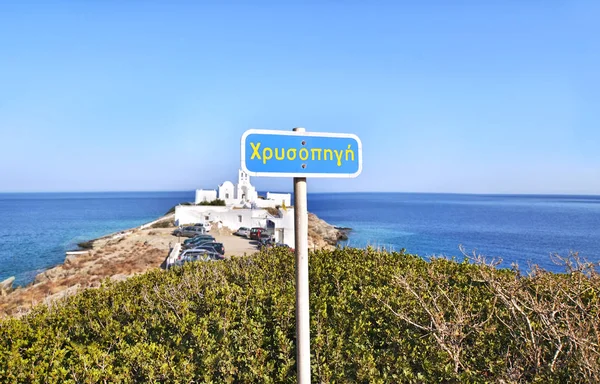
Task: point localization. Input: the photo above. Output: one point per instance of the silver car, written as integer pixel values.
(189, 231)
(243, 231)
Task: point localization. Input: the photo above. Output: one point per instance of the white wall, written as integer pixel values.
(226, 191)
(284, 227)
(249, 218)
(280, 197)
(249, 192)
(205, 195)
(190, 214)
(260, 203)
(287, 223)
(252, 194)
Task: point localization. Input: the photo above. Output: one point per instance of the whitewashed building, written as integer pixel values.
(282, 199)
(243, 194)
(204, 196)
(280, 225)
(243, 208)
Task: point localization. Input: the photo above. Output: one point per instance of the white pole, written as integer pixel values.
(302, 308)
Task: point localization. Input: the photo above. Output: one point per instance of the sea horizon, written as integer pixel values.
(322, 192)
(36, 232)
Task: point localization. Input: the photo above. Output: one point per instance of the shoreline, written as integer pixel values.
(119, 255)
(117, 234)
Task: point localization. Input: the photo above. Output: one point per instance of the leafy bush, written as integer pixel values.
(376, 317)
(215, 202)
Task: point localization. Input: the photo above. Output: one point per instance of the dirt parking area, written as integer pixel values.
(234, 245)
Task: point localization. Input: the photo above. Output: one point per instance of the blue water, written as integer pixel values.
(37, 229)
(518, 229)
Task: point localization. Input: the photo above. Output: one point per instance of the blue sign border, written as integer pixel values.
(300, 134)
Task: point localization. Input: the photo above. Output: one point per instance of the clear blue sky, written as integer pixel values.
(110, 96)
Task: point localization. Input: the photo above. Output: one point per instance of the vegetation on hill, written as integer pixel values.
(215, 202)
(375, 317)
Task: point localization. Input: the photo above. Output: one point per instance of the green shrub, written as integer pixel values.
(215, 202)
(376, 317)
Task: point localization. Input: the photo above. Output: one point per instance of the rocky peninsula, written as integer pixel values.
(127, 253)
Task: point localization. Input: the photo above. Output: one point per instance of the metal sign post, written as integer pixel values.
(300, 154)
(302, 294)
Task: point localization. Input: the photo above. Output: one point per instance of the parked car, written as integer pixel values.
(193, 252)
(189, 231)
(198, 243)
(243, 231)
(207, 227)
(198, 238)
(197, 255)
(217, 247)
(255, 233)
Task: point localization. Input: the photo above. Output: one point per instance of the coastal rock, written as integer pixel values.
(55, 273)
(345, 229)
(6, 285)
(342, 236)
(88, 268)
(69, 259)
(64, 293)
(322, 234)
(40, 278)
(71, 256)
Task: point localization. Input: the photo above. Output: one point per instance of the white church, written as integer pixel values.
(243, 208)
(243, 194)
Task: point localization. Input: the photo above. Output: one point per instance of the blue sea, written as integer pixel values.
(519, 229)
(37, 229)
